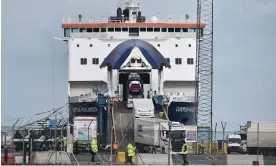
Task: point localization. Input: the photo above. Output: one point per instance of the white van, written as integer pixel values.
(233, 143)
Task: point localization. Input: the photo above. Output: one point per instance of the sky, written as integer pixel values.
(244, 54)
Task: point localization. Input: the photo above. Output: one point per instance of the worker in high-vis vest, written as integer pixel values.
(184, 153)
(94, 148)
(130, 152)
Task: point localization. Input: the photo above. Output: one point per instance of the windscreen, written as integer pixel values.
(177, 134)
(234, 140)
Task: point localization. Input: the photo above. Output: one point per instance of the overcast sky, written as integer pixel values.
(244, 54)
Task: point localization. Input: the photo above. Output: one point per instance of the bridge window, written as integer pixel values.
(66, 32)
(125, 29)
(143, 29)
(158, 45)
(82, 29)
(190, 61)
(156, 29)
(178, 61)
(83, 61)
(150, 29)
(78, 45)
(118, 29)
(164, 29)
(91, 45)
(177, 29)
(108, 45)
(190, 45)
(133, 31)
(103, 29)
(185, 29)
(192, 30)
(96, 29)
(170, 29)
(176, 45)
(89, 30)
(95, 61)
(110, 29)
(75, 30)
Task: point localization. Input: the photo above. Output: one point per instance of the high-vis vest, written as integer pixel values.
(94, 146)
(130, 150)
(183, 149)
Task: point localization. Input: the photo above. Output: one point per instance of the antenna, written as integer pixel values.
(69, 10)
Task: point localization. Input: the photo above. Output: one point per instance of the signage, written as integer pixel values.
(191, 134)
(184, 109)
(85, 108)
(183, 112)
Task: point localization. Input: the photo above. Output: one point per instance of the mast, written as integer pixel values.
(133, 6)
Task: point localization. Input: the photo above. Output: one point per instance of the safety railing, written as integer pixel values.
(86, 20)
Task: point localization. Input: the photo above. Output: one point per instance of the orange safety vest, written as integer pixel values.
(115, 146)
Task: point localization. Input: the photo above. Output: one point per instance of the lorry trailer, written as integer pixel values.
(263, 138)
(153, 133)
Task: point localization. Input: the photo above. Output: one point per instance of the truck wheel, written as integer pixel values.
(163, 151)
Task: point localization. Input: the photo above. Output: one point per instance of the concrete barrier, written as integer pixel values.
(153, 159)
(50, 157)
(19, 159)
(233, 159)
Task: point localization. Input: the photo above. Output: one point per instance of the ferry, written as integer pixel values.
(102, 55)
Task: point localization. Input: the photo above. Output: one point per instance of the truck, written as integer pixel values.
(153, 133)
(262, 137)
(233, 143)
(85, 128)
(143, 108)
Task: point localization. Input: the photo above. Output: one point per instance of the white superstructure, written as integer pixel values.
(90, 42)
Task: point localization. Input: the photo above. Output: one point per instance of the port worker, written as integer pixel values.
(130, 152)
(115, 146)
(184, 153)
(94, 148)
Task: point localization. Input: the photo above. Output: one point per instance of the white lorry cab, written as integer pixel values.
(233, 143)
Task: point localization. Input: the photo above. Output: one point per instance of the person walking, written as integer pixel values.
(130, 153)
(115, 147)
(94, 148)
(184, 153)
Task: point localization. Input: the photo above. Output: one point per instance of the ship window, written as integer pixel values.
(190, 61)
(124, 29)
(89, 30)
(192, 30)
(83, 30)
(156, 29)
(95, 61)
(78, 45)
(158, 45)
(118, 29)
(184, 29)
(96, 29)
(110, 29)
(66, 32)
(139, 60)
(168, 60)
(150, 29)
(133, 31)
(170, 29)
(143, 29)
(164, 29)
(83, 61)
(91, 45)
(176, 45)
(201, 32)
(190, 45)
(108, 45)
(177, 29)
(75, 29)
(103, 29)
(178, 61)
(132, 60)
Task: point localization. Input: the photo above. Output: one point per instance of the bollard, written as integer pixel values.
(24, 154)
(6, 156)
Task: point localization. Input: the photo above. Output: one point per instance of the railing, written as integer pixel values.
(104, 20)
(126, 35)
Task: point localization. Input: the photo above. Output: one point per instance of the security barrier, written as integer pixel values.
(121, 158)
